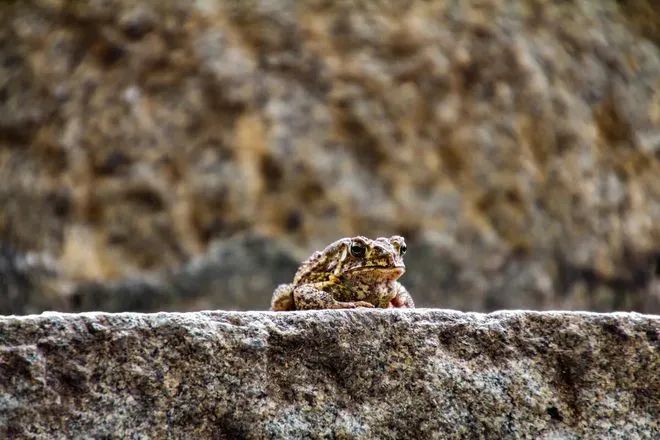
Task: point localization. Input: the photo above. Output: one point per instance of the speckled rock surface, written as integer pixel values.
(515, 144)
(330, 374)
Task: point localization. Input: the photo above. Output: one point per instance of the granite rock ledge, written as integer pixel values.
(421, 373)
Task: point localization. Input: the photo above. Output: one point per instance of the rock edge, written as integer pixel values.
(422, 373)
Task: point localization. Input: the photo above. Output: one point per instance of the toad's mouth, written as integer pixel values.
(393, 270)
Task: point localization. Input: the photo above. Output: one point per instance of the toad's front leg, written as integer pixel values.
(312, 296)
(402, 298)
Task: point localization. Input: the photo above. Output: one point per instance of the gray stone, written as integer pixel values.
(330, 374)
(224, 277)
(515, 144)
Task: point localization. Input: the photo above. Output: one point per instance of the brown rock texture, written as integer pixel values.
(515, 144)
(330, 374)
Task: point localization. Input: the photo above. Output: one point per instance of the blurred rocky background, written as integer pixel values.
(178, 155)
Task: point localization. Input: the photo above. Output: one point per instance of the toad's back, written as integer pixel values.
(321, 264)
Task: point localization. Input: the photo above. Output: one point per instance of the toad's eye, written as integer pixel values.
(358, 250)
(402, 249)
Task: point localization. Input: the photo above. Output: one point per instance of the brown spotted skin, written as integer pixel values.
(351, 272)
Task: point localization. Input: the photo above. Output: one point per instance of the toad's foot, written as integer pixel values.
(311, 297)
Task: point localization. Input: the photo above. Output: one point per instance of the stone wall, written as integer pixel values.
(515, 144)
(359, 374)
